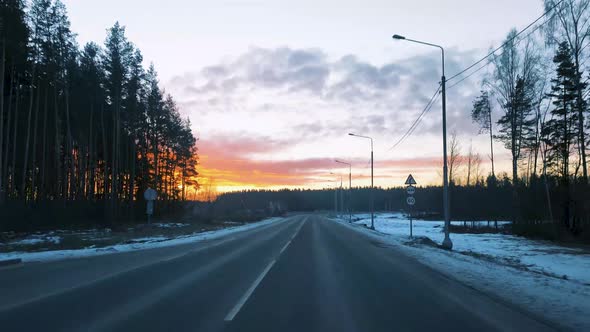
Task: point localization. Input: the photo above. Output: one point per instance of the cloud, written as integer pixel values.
(285, 76)
(307, 95)
(239, 145)
(281, 68)
(376, 124)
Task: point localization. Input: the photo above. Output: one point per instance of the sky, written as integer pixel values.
(272, 88)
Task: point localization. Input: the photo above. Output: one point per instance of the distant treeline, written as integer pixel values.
(566, 216)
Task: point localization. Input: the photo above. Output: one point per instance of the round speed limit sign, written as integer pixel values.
(411, 200)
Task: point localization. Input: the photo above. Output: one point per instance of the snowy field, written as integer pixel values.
(129, 245)
(550, 280)
(538, 256)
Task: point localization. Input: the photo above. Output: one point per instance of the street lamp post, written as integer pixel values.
(349, 188)
(336, 199)
(372, 189)
(447, 243)
(336, 194)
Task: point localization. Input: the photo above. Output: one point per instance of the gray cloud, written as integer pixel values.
(386, 94)
(376, 124)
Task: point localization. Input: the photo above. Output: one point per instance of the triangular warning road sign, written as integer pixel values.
(410, 180)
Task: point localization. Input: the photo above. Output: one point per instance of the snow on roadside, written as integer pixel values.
(538, 256)
(135, 244)
(37, 239)
(170, 225)
(564, 301)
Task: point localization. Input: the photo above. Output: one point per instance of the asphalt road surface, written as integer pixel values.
(306, 273)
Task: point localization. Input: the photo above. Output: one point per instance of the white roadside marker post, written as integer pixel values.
(410, 200)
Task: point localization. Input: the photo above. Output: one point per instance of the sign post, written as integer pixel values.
(150, 196)
(410, 200)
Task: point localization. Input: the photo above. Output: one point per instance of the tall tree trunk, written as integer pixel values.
(59, 185)
(105, 159)
(125, 170)
(4, 173)
(491, 143)
(2, 64)
(183, 181)
(91, 165)
(69, 154)
(173, 180)
(82, 163)
(514, 152)
(132, 159)
(566, 150)
(537, 138)
(579, 106)
(115, 157)
(469, 163)
(34, 149)
(547, 193)
(14, 142)
(156, 173)
(165, 175)
(528, 168)
(513, 149)
(43, 183)
(28, 137)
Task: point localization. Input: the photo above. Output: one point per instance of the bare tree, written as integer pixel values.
(455, 159)
(473, 163)
(515, 78)
(209, 190)
(543, 149)
(476, 168)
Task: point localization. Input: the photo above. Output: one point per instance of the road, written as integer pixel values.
(306, 273)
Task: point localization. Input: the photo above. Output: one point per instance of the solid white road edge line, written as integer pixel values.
(230, 316)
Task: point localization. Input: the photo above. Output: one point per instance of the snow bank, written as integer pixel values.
(525, 272)
(170, 225)
(37, 239)
(135, 244)
(538, 256)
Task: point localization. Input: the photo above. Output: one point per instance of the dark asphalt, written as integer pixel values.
(306, 273)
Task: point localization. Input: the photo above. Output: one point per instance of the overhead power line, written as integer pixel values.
(434, 97)
(487, 63)
(507, 41)
(468, 76)
(417, 121)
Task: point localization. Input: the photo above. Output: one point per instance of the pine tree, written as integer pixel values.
(85, 124)
(93, 95)
(515, 80)
(571, 24)
(14, 34)
(516, 125)
(561, 131)
(133, 118)
(155, 123)
(118, 51)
